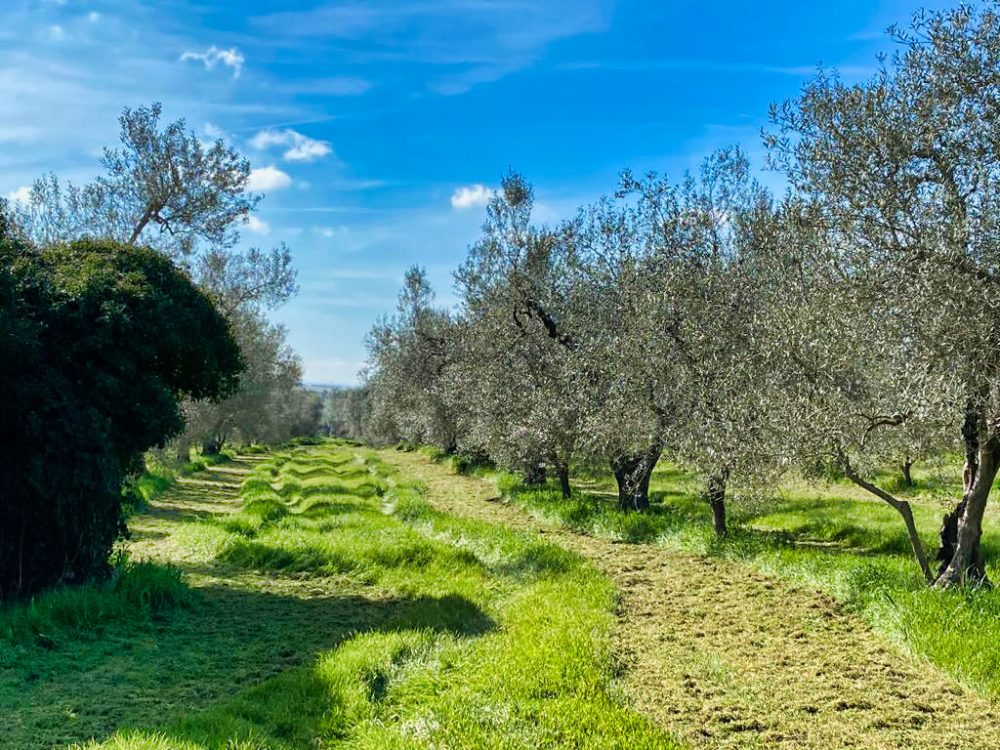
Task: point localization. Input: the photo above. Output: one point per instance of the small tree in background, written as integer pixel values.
(405, 377)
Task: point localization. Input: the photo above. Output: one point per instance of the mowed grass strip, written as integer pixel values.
(825, 535)
(486, 637)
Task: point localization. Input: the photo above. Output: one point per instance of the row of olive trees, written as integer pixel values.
(853, 322)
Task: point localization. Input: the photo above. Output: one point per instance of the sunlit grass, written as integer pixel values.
(825, 535)
(441, 632)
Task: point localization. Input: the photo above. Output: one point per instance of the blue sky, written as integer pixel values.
(377, 129)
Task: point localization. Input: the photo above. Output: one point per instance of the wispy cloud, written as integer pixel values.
(231, 58)
(335, 86)
(297, 147)
(727, 66)
(465, 42)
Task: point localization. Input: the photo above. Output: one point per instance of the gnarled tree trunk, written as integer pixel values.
(183, 449)
(212, 446)
(906, 467)
(535, 474)
(717, 500)
(960, 557)
(632, 473)
(965, 525)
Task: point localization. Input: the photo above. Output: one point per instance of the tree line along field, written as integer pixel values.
(703, 466)
(331, 595)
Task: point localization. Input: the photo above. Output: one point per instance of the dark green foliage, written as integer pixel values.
(98, 344)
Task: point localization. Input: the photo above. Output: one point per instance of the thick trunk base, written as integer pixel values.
(907, 473)
(211, 447)
(975, 571)
(535, 474)
(632, 473)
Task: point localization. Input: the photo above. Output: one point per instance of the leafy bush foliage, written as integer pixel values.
(98, 344)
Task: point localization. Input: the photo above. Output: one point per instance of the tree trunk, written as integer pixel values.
(212, 446)
(966, 564)
(902, 507)
(535, 474)
(951, 559)
(907, 475)
(562, 469)
(183, 449)
(632, 473)
(717, 500)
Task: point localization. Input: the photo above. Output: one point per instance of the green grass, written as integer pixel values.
(336, 608)
(136, 591)
(828, 536)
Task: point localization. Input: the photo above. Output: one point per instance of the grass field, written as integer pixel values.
(313, 598)
(827, 536)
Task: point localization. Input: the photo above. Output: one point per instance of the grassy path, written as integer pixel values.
(725, 657)
(245, 628)
(332, 607)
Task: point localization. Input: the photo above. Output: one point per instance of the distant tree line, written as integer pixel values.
(128, 317)
(851, 323)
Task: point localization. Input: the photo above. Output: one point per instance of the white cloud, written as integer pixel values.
(257, 226)
(93, 16)
(471, 196)
(22, 195)
(298, 147)
(231, 58)
(57, 33)
(212, 131)
(268, 179)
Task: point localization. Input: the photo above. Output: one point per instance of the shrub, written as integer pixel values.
(98, 344)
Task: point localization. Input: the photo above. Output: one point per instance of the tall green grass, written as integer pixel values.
(135, 591)
(490, 638)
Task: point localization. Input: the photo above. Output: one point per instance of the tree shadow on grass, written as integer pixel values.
(233, 639)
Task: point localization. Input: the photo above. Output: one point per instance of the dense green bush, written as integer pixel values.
(98, 343)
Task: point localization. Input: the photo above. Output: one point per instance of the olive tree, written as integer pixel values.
(713, 234)
(670, 304)
(514, 375)
(259, 409)
(905, 168)
(408, 353)
(853, 398)
(162, 188)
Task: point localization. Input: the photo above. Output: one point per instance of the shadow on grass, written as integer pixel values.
(234, 639)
